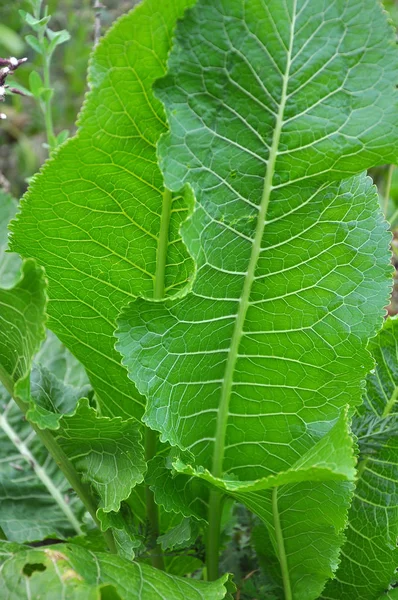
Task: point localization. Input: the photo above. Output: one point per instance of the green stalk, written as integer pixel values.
(152, 509)
(214, 534)
(151, 437)
(62, 461)
(281, 546)
(47, 108)
(391, 403)
(387, 189)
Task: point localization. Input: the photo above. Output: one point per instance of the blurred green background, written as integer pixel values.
(22, 134)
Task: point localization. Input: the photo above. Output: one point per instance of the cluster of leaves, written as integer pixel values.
(213, 261)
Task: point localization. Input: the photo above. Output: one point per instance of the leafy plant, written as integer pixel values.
(212, 218)
(44, 41)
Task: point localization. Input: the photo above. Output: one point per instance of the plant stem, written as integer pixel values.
(214, 534)
(62, 461)
(151, 437)
(161, 254)
(361, 467)
(47, 108)
(152, 509)
(281, 546)
(40, 473)
(387, 189)
(97, 21)
(391, 403)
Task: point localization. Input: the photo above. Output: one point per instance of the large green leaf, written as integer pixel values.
(270, 106)
(370, 554)
(67, 571)
(98, 218)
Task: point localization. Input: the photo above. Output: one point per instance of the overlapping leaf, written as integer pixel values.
(107, 451)
(33, 494)
(370, 554)
(98, 218)
(33, 504)
(67, 571)
(270, 105)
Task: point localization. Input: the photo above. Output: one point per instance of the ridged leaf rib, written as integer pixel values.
(222, 417)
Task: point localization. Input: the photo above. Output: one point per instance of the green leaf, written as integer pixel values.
(34, 43)
(391, 595)
(57, 38)
(51, 398)
(46, 94)
(106, 451)
(54, 356)
(97, 217)
(22, 324)
(370, 555)
(179, 535)
(37, 25)
(36, 84)
(34, 497)
(330, 459)
(271, 106)
(174, 492)
(77, 574)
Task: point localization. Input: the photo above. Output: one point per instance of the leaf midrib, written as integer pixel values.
(223, 411)
(161, 251)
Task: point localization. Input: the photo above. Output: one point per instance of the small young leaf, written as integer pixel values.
(56, 38)
(55, 357)
(37, 25)
(34, 43)
(36, 84)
